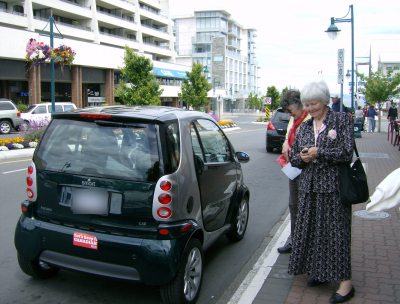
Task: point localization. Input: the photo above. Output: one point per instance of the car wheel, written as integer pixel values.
(240, 223)
(269, 149)
(5, 127)
(36, 268)
(185, 286)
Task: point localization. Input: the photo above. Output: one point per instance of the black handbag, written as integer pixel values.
(353, 181)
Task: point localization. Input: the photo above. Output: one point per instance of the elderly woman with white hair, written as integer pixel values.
(322, 237)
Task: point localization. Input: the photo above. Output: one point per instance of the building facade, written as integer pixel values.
(225, 48)
(98, 31)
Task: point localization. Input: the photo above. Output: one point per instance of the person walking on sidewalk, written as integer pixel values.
(392, 113)
(292, 105)
(371, 113)
(322, 238)
(336, 104)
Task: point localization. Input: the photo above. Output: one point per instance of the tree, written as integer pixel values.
(379, 88)
(274, 94)
(141, 87)
(195, 88)
(254, 101)
(284, 92)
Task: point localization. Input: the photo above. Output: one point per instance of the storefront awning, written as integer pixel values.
(169, 73)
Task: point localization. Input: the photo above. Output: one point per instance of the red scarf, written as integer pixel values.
(291, 136)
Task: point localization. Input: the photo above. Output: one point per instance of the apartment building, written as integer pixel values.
(227, 50)
(97, 30)
(390, 61)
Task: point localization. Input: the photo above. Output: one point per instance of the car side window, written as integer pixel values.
(6, 106)
(57, 108)
(40, 110)
(215, 145)
(68, 108)
(195, 141)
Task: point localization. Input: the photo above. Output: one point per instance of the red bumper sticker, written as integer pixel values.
(85, 240)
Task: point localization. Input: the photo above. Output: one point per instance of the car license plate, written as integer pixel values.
(85, 240)
(90, 201)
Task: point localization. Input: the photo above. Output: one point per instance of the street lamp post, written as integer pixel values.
(52, 35)
(333, 32)
(219, 83)
(230, 90)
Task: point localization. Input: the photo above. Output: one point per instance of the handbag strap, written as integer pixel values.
(337, 131)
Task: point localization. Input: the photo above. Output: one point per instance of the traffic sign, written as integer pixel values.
(340, 75)
(340, 57)
(268, 100)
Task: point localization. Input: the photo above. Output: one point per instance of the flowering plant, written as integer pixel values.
(16, 143)
(38, 52)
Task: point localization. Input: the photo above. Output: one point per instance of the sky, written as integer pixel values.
(292, 46)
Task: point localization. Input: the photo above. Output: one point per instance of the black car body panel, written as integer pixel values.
(275, 138)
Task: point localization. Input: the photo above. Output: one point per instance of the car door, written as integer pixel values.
(40, 113)
(217, 177)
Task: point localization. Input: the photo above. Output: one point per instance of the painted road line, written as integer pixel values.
(251, 285)
(15, 161)
(15, 171)
(248, 131)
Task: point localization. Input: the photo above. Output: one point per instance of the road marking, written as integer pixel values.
(14, 171)
(15, 161)
(251, 285)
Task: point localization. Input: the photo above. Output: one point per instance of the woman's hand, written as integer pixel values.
(286, 150)
(309, 154)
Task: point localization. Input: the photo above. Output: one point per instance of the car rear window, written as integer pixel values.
(280, 116)
(6, 106)
(95, 149)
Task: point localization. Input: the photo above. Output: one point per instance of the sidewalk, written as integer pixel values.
(375, 245)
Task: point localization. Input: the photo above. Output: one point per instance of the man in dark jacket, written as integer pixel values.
(392, 113)
(371, 113)
(336, 103)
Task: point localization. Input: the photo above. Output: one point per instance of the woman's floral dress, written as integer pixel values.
(322, 239)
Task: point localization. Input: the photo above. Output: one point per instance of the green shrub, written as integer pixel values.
(22, 107)
(34, 130)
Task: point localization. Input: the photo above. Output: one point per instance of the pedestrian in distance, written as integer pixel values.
(292, 105)
(336, 104)
(360, 117)
(392, 113)
(371, 113)
(322, 238)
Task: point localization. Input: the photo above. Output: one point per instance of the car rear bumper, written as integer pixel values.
(273, 139)
(152, 261)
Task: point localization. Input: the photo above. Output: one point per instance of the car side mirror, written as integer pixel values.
(242, 157)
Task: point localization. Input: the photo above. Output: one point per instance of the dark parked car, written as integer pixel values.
(135, 193)
(276, 130)
(10, 116)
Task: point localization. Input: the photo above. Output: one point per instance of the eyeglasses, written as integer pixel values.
(288, 111)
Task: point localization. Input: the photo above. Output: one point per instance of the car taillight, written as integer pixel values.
(164, 212)
(270, 126)
(19, 114)
(165, 185)
(164, 198)
(31, 191)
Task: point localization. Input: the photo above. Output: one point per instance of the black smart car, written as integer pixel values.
(276, 130)
(135, 193)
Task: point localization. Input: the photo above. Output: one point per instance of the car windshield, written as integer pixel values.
(100, 149)
(29, 109)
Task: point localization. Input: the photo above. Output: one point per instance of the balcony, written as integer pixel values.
(118, 40)
(125, 5)
(114, 16)
(235, 55)
(13, 18)
(65, 8)
(154, 15)
(185, 53)
(68, 29)
(163, 34)
(154, 3)
(157, 49)
(233, 44)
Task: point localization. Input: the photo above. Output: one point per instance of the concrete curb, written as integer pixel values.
(27, 152)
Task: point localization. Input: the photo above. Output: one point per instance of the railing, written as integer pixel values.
(66, 24)
(152, 11)
(236, 55)
(114, 16)
(253, 61)
(76, 4)
(169, 84)
(119, 37)
(159, 46)
(12, 12)
(162, 31)
(128, 2)
(234, 32)
(204, 38)
(185, 52)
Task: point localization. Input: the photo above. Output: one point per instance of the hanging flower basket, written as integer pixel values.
(38, 52)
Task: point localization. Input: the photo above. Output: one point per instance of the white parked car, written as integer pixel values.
(42, 111)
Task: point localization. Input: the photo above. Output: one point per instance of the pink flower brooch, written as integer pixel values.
(332, 134)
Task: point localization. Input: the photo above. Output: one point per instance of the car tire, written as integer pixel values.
(269, 149)
(185, 286)
(36, 268)
(240, 224)
(5, 127)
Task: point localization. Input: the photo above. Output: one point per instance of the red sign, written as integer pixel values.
(267, 100)
(85, 240)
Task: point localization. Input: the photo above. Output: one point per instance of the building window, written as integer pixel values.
(388, 67)
(3, 5)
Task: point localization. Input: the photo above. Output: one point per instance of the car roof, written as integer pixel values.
(5, 99)
(49, 103)
(138, 111)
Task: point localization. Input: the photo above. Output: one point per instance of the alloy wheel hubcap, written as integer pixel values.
(193, 274)
(242, 218)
